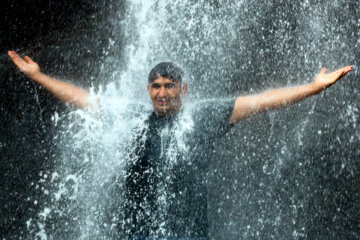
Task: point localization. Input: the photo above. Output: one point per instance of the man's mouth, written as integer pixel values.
(163, 101)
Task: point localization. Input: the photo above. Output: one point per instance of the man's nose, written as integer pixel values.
(162, 92)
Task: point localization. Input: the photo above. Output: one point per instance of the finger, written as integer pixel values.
(343, 71)
(13, 54)
(347, 69)
(16, 58)
(28, 60)
(323, 70)
(340, 74)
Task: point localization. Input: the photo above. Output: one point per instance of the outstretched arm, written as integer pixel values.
(277, 98)
(64, 91)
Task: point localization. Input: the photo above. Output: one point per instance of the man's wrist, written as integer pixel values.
(35, 76)
(317, 87)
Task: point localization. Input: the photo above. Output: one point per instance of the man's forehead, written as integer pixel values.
(162, 80)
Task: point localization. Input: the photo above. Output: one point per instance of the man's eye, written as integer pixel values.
(170, 85)
(155, 86)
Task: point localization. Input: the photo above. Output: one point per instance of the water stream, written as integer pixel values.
(288, 174)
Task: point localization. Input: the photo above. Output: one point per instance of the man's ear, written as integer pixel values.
(148, 88)
(184, 89)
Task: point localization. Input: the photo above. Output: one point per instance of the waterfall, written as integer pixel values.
(288, 174)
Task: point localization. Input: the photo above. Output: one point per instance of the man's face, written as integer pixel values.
(166, 95)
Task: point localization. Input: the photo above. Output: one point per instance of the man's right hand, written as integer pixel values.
(64, 91)
(26, 64)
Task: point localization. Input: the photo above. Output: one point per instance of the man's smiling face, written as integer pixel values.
(166, 95)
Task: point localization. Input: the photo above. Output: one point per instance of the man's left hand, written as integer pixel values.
(323, 80)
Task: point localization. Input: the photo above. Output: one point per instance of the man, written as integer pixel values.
(244, 106)
(166, 177)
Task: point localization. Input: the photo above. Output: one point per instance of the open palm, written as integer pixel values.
(26, 65)
(324, 80)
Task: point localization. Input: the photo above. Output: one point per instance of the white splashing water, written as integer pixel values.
(95, 143)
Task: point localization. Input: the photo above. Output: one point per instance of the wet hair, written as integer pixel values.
(167, 70)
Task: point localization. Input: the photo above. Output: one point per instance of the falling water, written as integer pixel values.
(281, 175)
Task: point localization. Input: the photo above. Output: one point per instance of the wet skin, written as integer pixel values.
(166, 95)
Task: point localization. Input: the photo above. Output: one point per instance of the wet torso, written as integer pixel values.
(166, 178)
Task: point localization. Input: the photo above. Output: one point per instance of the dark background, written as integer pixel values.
(68, 40)
(38, 28)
